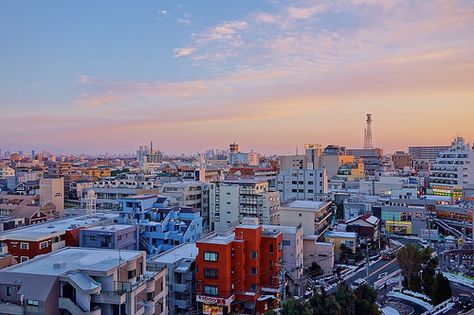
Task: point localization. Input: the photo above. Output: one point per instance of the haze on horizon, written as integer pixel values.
(191, 75)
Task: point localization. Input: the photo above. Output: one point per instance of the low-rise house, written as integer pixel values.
(341, 239)
(83, 281)
(366, 226)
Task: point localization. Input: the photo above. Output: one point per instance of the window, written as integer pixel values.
(32, 302)
(210, 256)
(253, 254)
(92, 238)
(149, 296)
(253, 271)
(9, 291)
(211, 290)
(286, 243)
(132, 273)
(23, 258)
(119, 238)
(253, 287)
(24, 246)
(43, 245)
(211, 273)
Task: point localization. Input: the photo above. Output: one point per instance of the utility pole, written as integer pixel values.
(368, 261)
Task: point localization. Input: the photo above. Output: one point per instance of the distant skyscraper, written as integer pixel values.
(368, 133)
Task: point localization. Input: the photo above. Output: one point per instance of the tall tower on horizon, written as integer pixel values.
(368, 133)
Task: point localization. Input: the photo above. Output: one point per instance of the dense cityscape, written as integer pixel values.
(227, 231)
(256, 157)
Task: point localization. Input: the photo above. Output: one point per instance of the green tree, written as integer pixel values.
(365, 301)
(322, 304)
(411, 260)
(441, 289)
(346, 298)
(295, 307)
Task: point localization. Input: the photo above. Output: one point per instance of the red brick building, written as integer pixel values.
(239, 272)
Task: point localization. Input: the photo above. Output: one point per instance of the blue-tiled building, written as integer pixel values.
(116, 236)
(161, 226)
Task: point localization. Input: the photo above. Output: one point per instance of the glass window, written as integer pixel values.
(210, 256)
(211, 290)
(24, 246)
(32, 302)
(253, 254)
(253, 271)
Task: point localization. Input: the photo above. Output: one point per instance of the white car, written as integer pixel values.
(357, 283)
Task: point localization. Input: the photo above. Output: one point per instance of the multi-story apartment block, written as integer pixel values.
(84, 281)
(180, 262)
(239, 271)
(161, 227)
(187, 194)
(292, 258)
(52, 190)
(292, 162)
(315, 216)
(110, 191)
(6, 171)
(28, 242)
(429, 153)
(303, 184)
(115, 236)
(453, 170)
(232, 200)
(372, 158)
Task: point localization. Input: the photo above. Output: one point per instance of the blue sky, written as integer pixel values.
(84, 76)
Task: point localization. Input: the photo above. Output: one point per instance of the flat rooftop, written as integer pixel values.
(177, 253)
(75, 258)
(305, 204)
(221, 239)
(341, 234)
(53, 228)
(110, 227)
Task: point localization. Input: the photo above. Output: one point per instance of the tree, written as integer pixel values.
(346, 298)
(295, 307)
(322, 304)
(441, 290)
(410, 259)
(365, 301)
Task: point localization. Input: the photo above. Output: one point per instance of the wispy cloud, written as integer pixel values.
(183, 52)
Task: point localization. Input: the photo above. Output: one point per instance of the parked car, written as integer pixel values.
(357, 283)
(388, 255)
(465, 300)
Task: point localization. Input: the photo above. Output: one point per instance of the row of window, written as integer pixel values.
(213, 256)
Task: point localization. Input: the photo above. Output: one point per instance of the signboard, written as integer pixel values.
(214, 300)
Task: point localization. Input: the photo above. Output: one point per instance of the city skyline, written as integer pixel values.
(268, 75)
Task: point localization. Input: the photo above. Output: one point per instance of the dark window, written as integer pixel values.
(211, 273)
(132, 273)
(210, 290)
(253, 271)
(253, 255)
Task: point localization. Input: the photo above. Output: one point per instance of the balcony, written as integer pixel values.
(11, 308)
(182, 304)
(109, 297)
(73, 308)
(182, 288)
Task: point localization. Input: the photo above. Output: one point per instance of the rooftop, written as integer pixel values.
(75, 258)
(53, 228)
(110, 227)
(175, 254)
(341, 234)
(305, 204)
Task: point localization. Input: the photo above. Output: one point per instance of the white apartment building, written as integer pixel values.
(232, 200)
(453, 170)
(303, 184)
(6, 171)
(52, 190)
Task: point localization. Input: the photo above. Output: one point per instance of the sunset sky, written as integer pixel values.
(106, 76)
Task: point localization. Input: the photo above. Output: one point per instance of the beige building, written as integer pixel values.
(315, 216)
(52, 190)
(292, 162)
(318, 252)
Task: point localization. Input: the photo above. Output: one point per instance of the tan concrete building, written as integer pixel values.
(52, 190)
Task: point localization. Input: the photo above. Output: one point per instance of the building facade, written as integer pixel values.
(303, 184)
(239, 271)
